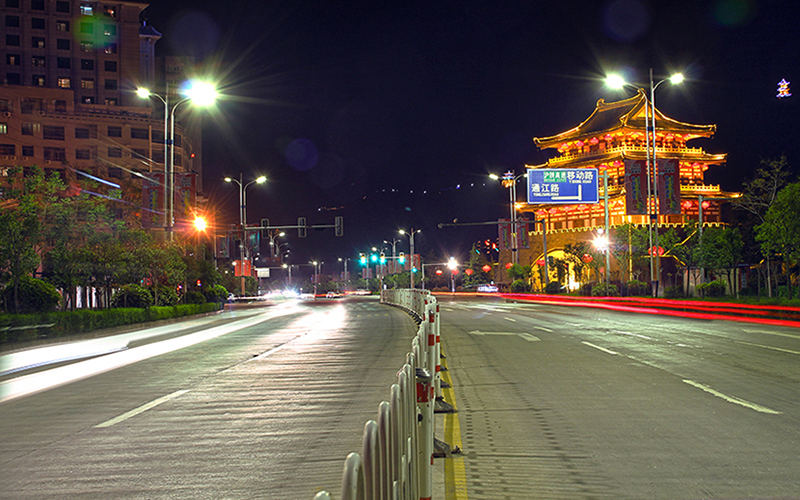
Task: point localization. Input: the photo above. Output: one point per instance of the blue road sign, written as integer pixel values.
(563, 186)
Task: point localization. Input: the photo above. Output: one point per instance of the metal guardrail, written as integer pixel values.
(396, 460)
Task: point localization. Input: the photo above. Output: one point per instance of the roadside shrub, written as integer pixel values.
(131, 296)
(166, 296)
(638, 288)
(674, 292)
(712, 289)
(193, 297)
(519, 286)
(217, 293)
(599, 290)
(34, 295)
(553, 287)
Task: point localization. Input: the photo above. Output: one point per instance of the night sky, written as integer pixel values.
(393, 115)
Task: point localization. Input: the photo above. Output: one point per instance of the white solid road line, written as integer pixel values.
(600, 348)
(141, 409)
(731, 399)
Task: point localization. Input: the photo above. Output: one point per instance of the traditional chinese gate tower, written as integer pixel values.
(613, 136)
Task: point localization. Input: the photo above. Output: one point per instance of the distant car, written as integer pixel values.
(333, 295)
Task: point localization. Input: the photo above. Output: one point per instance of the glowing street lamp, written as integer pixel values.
(452, 264)
(243, 216)
(200, 94)
(618, 82)
(411, 249)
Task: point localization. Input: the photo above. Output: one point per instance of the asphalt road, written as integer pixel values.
(260, 405)
(573, 403)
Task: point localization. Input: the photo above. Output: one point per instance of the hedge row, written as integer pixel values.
(27, 327)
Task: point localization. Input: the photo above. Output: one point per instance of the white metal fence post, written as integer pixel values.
(425, 460)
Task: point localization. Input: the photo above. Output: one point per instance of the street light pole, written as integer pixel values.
(411, 249)
(652, 174)
(243, 220)
(202, 94)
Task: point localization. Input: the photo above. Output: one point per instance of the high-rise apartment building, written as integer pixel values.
(69, 71)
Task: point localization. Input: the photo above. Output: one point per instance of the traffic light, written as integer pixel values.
(264, 228)
(339, 226)
(363, 259)
(301, 227)
(373, 258)
(402, 258)
(383, 258)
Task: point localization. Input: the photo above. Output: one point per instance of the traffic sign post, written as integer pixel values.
(563, 186)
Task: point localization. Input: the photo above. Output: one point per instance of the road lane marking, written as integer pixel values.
(455, 475)
(778, 334)
(601, 348)
(543, 329)
(510, 319)
(523, 335)
(731, 399)
(141, 409)
(767, 347)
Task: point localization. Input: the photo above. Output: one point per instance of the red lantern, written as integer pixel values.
(587, 258)
(439, 272)
(455, 271)
(486, 268)
(660, 251)
(508, 266)
(540, 262)
(469, 271)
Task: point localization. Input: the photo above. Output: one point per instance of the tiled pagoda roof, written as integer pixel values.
(628, 114)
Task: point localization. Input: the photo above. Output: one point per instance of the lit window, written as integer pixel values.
(3, 128)
(87, 9)
(111, 48)
(87, 99)
(37, 42)
(64, 83)
(30, 128)
(12, 59)
(111, 101)
(62, 25)
(87, 83)
(38, 61)
(38, 81)
(110, 30)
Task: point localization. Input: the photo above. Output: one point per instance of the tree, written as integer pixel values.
(476, 262)
(721, 249)
(758, 195)
(780, 231)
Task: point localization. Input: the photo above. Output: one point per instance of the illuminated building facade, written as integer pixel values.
(612, 137)
(69, 70)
